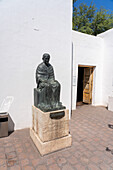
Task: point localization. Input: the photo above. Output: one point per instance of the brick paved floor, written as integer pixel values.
(91, 135)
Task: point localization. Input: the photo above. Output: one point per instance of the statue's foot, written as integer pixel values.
(44, 107)
(54, 106)
(60, 106)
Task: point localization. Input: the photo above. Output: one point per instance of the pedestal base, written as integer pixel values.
(50, 146)
(110, 103)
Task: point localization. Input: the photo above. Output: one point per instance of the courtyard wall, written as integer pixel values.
(107, 74)
(88, 51)
(29, 28)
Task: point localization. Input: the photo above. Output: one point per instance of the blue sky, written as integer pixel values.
(107, 4)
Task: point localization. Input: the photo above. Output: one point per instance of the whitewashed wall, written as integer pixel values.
(107, 75)
(28, 28)
(88, 50)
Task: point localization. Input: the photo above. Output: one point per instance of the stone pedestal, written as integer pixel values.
(110, 103)
(50, 130)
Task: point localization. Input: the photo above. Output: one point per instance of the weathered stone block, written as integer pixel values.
(110, 103)
(47, 126)
(50, 146)
(50, 130)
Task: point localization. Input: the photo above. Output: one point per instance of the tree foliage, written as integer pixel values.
(88, 19)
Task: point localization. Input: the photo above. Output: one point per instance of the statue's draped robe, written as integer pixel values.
(48, 88)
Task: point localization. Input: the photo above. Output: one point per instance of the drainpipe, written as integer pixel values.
(71, 79)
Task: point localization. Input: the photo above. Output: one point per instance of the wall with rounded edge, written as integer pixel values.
(107, 74)
(88, 50)
(29, 28)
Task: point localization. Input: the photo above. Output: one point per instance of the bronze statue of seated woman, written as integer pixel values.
(47, 93)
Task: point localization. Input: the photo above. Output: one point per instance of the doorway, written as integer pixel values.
(85, 85)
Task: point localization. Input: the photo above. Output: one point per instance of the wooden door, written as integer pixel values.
(87, 85)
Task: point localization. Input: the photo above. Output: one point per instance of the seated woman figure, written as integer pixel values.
(47, 93)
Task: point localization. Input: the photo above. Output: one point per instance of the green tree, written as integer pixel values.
(74, 1)
(88, 19)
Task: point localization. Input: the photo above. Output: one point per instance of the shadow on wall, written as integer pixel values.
(11, 125)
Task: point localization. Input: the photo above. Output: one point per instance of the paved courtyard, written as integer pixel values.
(91, 135)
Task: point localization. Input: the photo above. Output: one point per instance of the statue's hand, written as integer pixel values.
(51, 80)
(45, 81)
(43, 84)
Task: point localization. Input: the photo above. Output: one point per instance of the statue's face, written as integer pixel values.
(46, 60)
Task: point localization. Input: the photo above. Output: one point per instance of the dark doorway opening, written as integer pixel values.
(85, 85)
(80, 84)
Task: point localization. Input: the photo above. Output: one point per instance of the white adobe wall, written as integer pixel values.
(28, 28)
(107, 83)
(88, 50)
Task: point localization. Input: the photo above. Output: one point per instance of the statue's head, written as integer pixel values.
(46, 58)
